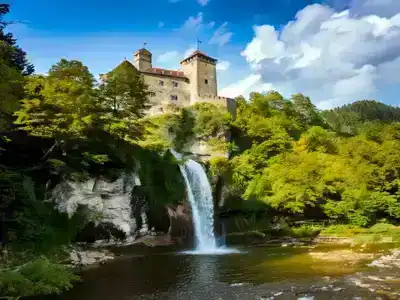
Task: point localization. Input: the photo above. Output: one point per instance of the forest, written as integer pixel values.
(286, 157)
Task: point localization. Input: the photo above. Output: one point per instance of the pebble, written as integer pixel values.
(237, 284)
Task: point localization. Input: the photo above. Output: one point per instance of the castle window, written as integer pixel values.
(174, 98)
(206, 81)
(161, 83)
(174, 84)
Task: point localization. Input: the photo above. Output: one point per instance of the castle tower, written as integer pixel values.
(202, 73)
(142, 59)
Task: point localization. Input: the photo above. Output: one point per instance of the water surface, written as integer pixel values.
(255, 273)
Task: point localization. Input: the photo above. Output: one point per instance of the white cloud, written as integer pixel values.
(223, 65)
(221, 36)
(241, 87)
(203, 2)
(193, 23)
(169, 59)
(333, 57)
(188, 52)
(383, 8)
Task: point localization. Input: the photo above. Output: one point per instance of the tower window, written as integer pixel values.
(206, 81)
(174, 84)
(174, 98)
(161, 83)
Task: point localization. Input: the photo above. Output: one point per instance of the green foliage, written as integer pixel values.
(308, 113)
(13, 65)
(36, 226)
(12, 55)
(349, 118)
(50, 108)
(170, 130)
(39, 277)
(381, 228)
(182, 127)
(294, 163)
(219, 166)
(161, 178)
(306, 230)
(360, 235)
(343, 230)
(210, 120)
(124, 97)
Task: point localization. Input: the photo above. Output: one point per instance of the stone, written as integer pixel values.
(89, 257)
(388, 261)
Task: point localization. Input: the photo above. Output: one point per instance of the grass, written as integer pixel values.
(374, 234)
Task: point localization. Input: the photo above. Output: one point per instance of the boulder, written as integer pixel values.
(81, 257)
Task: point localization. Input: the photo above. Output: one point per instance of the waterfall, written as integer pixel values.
(201, 201)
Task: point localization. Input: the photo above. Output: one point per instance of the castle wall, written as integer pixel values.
(190, 69)
(207, 78)
(164, 92)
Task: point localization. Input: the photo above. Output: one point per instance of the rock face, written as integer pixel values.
(89, 257)
(180, 221)
(106, 203)
(117, 212)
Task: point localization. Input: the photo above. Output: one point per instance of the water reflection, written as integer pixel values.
(173, 275)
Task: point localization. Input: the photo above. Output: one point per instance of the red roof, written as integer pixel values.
(160, 71)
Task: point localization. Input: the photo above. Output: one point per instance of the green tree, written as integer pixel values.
(124, 97)
(12, 55)
(309, 115)
(62, 105)
(13, 65)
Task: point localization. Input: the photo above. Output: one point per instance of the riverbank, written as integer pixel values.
(316, 234)
(328, 246)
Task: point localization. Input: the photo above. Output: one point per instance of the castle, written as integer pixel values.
(195, 82)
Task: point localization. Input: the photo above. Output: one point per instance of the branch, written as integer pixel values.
(50, 150)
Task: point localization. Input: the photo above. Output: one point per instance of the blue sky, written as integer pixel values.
(286, 45)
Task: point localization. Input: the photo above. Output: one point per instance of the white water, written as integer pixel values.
(201, 202)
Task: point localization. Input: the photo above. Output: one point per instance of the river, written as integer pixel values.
(257, 272)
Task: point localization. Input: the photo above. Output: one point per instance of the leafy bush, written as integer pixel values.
(305, 230)
(381, 228)
(342, 230)
(39, 277)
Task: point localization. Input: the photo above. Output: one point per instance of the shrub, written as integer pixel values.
(39, 277)
(305, 230)
(343, 230)
(381, 228)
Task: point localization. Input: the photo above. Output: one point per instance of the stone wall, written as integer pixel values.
(164, 92)
(207, 78)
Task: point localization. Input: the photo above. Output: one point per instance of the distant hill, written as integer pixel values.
(347, 117)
